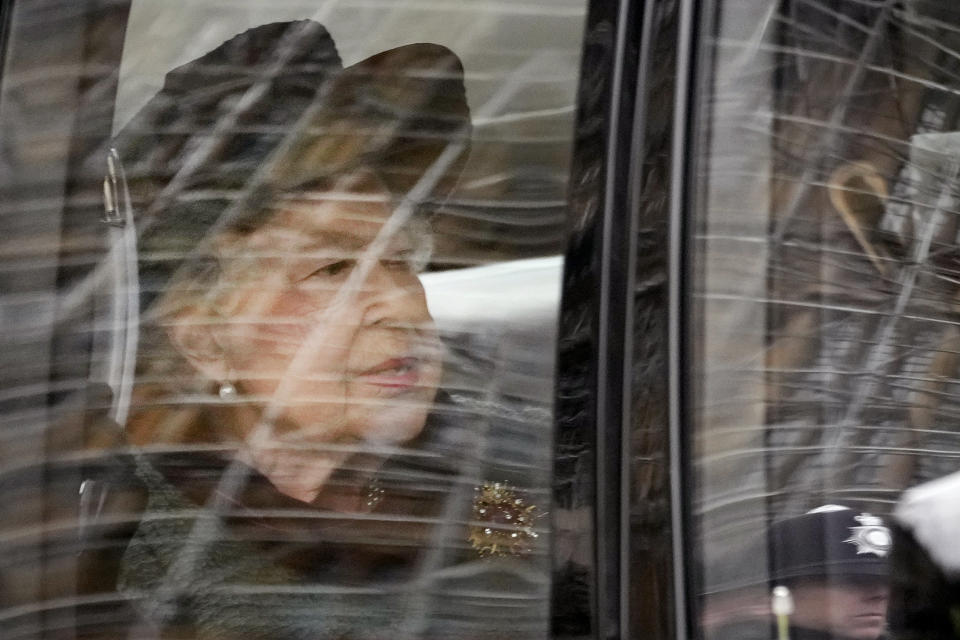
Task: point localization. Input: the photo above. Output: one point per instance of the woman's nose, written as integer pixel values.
(394, 295)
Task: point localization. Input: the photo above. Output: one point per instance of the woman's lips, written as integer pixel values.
(395, 373)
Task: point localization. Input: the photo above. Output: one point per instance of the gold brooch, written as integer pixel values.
(502, 521)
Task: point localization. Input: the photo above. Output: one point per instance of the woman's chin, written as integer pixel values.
(392, 426)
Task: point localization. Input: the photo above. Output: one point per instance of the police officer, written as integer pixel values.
(834, 562)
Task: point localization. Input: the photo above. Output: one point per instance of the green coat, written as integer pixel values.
(259, 565)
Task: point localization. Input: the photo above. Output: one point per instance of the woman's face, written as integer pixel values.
(335, 340)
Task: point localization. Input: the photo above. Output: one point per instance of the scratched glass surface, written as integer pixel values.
(279, 304)
(826, 262)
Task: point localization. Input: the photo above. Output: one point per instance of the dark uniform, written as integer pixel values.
(925, 584)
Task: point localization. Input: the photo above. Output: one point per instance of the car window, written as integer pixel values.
(280, 303)
(823, 371)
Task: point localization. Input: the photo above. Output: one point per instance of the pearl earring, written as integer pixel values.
(227, 391)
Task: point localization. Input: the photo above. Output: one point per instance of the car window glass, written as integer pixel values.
(282, 286)
(823, 370)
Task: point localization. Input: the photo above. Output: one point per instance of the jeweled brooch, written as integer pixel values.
(502, 521)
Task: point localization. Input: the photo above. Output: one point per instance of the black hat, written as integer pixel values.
(830, 542)
(273, 111)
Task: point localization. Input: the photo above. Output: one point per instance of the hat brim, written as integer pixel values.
(395, 112)
(839, 570)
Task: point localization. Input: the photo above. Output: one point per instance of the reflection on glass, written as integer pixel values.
(290, 397)
(825, 365)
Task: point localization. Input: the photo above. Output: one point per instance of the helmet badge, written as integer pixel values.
(871, 536)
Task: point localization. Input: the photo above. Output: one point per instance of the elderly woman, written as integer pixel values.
(286, 419)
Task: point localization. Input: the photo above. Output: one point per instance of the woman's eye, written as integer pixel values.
(400, 261)
(333, 269)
